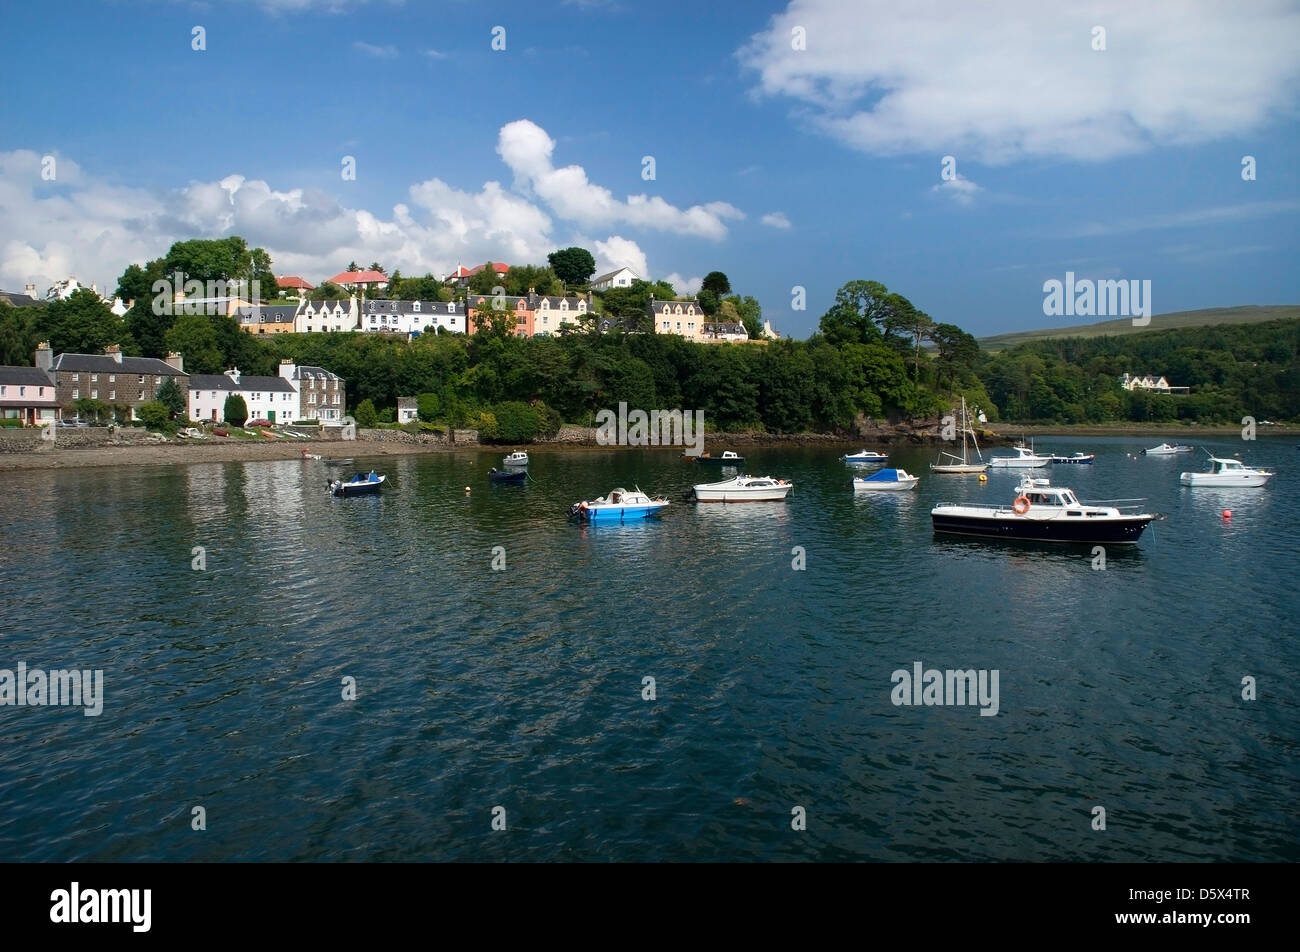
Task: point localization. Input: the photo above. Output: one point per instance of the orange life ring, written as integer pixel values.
(1021, 505)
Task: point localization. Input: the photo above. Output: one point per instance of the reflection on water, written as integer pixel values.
(771, 630)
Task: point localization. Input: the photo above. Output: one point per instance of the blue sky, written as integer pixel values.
(781, 166)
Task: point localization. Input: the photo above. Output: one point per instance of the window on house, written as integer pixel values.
(76, 394)
(141, 380)
(112, 378)
(416, 307)
(94, 378)
(94, 394)
(76, 377)
(112, 394)
(22, 391)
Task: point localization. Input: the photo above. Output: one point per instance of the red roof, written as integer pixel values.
(359, 277)
(293, 281)
(500, 267)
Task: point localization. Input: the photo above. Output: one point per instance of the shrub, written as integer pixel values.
(155, 415)
(11, 422)
(235, 410)
(366, 416)
(306, 422)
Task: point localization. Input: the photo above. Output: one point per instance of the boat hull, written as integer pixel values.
(880, 485)
(512, 477)
(958, 469)
(1073, 460)
(1011, 463)
(1221, 481)
(348, 490)
(1125, 530)
(766, 494)
(602, 514)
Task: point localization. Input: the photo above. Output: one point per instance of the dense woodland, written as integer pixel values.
(874, 356)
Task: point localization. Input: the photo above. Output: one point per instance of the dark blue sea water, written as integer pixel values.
(522, 688)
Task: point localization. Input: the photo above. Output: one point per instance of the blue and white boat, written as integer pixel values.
(361, 484)
(517, 458)
(865, 456)
(1080, 459)
(888, 479)
(621, 505)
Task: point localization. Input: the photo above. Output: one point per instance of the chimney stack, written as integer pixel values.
(177, 361)
(233, 374)
(287, 367)
(29, 290)
(114, 351)
(44, 356)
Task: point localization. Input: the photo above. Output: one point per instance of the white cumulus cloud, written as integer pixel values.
(619, 252)
(1007, 79)
(527, 149)
(684, 286)
(775, 220)
(959, 188)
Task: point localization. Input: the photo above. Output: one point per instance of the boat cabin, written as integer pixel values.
(1225, 465)
(1050, 497)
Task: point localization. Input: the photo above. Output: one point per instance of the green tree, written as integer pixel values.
(749, 312)
(716, 282)
(328, 291)
(154, 414)
(427, 406)
(83, 324)
(366, 415)
(859, 311)
(171, 396)
(709, 302)
(486, 280)
(19, 334)
(521, 277)
(194, 338)
(235, 410)
(89, 409)
(572, 265)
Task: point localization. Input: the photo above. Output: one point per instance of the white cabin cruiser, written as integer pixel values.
(1228, 474)
(744, 489)
(1025, 458)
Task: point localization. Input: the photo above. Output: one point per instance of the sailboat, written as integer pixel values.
(962, 465)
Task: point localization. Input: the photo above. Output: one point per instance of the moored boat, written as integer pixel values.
(507, 476)
(1045, 513)
(865, 456)
(1228, 474)
(887, 479)
(1167, 449)
(361, 484)
(744, 489)
(1025, 458)
(621, 505)
(1081, 459)
(961, 465)
(517, 458)
(728, 458)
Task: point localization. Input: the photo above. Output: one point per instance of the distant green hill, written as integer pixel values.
(1251, 314)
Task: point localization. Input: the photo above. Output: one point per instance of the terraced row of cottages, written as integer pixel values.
(60, 386)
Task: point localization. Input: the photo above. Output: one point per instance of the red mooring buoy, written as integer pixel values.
(1227, 513)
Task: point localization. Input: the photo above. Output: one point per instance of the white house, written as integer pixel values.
(412, 318)
(622, 278)
(407, 410)
(267, 398)
(1156, 384)
(62, 290)
(327, 316)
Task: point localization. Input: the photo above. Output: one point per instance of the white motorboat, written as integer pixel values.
(1166, 449)
(1228, 474)
(887, 479)
(517, 458)
(961, 465)
(865, 456)
(744, 489)
(1044, 513)
(1025, 458)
